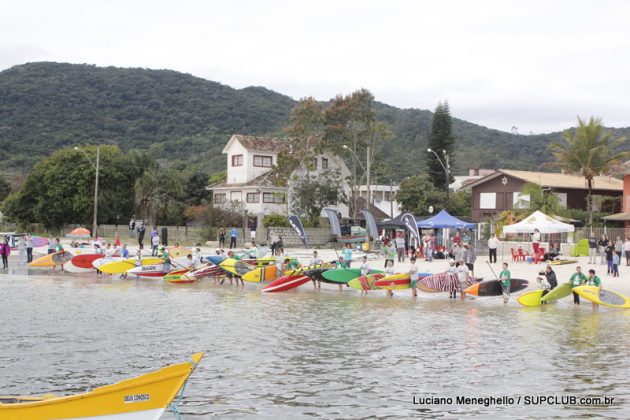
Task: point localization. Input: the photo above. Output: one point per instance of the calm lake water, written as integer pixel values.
(311, 354)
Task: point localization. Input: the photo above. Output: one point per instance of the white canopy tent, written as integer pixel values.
(540, 221)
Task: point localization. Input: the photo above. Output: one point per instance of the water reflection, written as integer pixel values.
(307, 353)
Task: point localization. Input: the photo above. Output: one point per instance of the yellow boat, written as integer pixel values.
(119, 267)
(143, 397)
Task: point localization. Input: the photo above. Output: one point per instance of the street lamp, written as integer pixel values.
(447, 168)
(367, 171)
(98, 155)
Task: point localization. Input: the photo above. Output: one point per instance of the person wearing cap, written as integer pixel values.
(452, 269)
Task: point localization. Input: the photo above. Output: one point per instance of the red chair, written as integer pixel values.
(515, 256)
(522, 255)
(539, 256)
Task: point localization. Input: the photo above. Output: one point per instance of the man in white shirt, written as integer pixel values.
(493, 244)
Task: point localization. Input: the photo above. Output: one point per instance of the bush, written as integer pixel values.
(276, 220)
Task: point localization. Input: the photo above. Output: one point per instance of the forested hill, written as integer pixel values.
(46, 106)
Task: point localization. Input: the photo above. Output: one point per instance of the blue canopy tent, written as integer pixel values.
(444, 220)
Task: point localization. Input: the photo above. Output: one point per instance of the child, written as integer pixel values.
(463, 272)
(504, 278)
(544, 285)
(615, 264)
(593, 280)
(413, 277)
(389, 271)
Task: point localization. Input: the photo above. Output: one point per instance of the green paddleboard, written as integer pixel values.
(559, 292)
(344, 275)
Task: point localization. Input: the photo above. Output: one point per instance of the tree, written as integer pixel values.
(5, 188)
(310, 194)
(588, 150)
(440, 139)
(539, 199)
(156, 192)
(417, 194)
(60, 188)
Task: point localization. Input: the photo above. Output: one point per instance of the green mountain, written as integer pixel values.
(46, 106)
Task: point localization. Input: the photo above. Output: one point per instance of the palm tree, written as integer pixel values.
(588, 151)
(156, 186)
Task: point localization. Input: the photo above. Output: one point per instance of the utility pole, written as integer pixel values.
(94, 225)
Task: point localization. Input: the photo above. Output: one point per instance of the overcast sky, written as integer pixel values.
(535, 65)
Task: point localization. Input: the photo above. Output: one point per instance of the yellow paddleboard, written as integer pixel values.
(261, 274)
(119, 267)
(51, 260)
(178, 251)
(603, 297)
(400, 282)
(531, 298)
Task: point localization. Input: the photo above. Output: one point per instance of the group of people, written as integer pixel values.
(550, 281)
(25, 249)
(233, 237)
(610, 253)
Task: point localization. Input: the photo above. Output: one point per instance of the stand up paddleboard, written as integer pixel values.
(286, 283)
(493, 287)
(603, 297)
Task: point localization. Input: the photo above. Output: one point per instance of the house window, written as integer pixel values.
(324, 163)
(263, 161)
(314, 163)
(520, 201)
(276, 198)
(253, 197)
(488, 200)
(237, 160)
(562, 198)
(219, 198)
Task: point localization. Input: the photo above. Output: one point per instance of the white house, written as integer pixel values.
(250, 183)
(382, 197)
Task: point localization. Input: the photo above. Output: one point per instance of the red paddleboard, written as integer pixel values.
(85, 260)
(286, 283)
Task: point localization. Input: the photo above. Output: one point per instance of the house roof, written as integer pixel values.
(554, 180)
(268, 179)
(618, 217)
(263, 144)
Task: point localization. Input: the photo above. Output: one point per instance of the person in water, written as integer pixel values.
(505, 278)
(365, 270)
(389, 271)
(413, 277)
(452, 269)
(314, 262)
(593, 280)
(577, 279)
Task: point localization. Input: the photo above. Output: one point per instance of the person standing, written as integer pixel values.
(155, 242)
(389, 271)
(390, 253)
(536, 240)
(315, 261)
(124, 254)
(593, 280)
(166, 260)
(132, 227)
(233, 235)
(493, 244)
(51, 245)
(365, 271)
(428, 247)
(29, 248)
(21, 250)
(413, 277)
(470, 255)
(592, 249)
(222, 238)
(347, 254)
(505, 279)
(626, 250)
(615, 264)
(5, 250)
(463, 273)
(577, 279)
(400, 247)
(610, 250)
(602, 244)
(141, 231)
(452, 269)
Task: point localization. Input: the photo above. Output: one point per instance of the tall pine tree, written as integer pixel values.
(440, 139)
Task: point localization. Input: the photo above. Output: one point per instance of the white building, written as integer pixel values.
(383, 197)
(252, 181)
